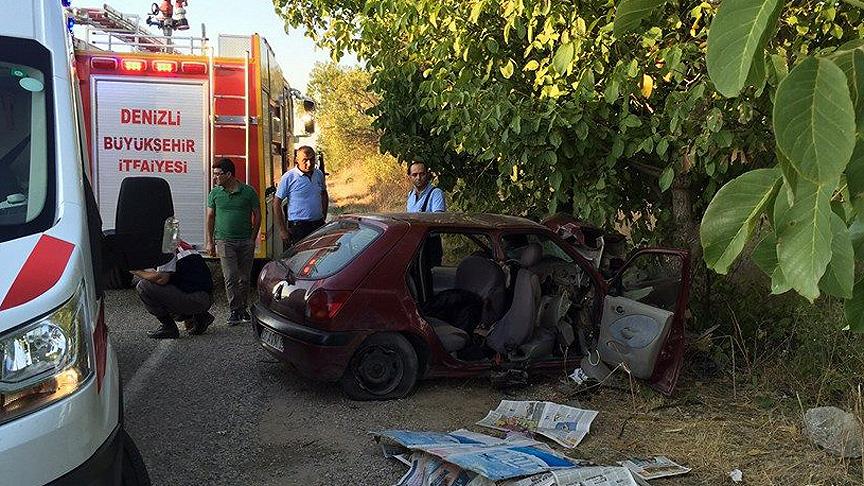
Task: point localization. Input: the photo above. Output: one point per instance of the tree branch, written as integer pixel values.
(645, 168)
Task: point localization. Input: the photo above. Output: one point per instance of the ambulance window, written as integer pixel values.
(26, 139)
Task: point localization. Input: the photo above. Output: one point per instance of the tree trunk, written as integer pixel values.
(686, 225)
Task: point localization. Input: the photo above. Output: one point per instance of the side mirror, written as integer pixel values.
(143, 207)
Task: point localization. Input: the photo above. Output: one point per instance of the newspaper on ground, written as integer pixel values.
(491, 457)
(427, 469)
(656, 467)
(565, 425)
(578, 476)
(393, 451)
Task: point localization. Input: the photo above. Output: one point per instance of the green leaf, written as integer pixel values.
(738, 33)
(804, 238)
(732, 215)
(507, 69)
(765, 254)
(778, 64)
(610, 94)
(563, 58)
(662, 146)
(840, 275)
(790, 177)
(631, 12)
(854, 308)
(476, 10)
(814, 121)
(666, 178)
(555, 180)
(855, 171)
(765, 257)
(856, 234)
(531, 66)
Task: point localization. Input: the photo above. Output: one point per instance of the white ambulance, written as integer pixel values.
(61, 414)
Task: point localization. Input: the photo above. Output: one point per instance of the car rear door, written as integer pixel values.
(644, 312)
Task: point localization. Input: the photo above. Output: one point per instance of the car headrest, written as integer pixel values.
(531, 255)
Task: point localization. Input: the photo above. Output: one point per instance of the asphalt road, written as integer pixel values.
(218, 410)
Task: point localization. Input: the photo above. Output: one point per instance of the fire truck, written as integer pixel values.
(169, 106)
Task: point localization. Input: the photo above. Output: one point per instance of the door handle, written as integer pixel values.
(619, 309)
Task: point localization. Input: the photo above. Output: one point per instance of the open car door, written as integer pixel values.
(642, 325)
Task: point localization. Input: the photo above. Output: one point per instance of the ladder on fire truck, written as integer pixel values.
(231, 120)
(109, 29)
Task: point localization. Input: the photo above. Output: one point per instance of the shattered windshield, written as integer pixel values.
(25, 139)
(329, 249)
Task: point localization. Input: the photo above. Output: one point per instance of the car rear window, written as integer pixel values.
(330, 249)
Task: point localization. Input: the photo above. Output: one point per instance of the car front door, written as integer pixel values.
(644, 312)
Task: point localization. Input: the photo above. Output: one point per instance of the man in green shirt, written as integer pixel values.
(233, 221)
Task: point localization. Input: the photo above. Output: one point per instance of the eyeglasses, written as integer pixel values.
(418, 174)
(218, 174)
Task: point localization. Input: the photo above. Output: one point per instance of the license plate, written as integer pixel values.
(272, 339)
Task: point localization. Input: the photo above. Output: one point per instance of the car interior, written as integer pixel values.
(538, 304)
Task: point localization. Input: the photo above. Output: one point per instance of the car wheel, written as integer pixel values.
(134, 470)
(384, 367)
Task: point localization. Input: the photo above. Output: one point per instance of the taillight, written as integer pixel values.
(193, 67)
(104, 63)
(323, 305)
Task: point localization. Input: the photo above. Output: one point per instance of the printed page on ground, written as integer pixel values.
(565, 425)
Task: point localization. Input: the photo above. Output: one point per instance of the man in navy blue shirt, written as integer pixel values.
(305, 191)
(181, 289)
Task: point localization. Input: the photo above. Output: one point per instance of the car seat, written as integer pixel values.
(478, 296)
(517, 324)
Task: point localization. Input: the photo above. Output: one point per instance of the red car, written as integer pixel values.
(378, 301)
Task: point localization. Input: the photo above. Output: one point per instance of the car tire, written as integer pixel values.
(134, 471)
(384, 367)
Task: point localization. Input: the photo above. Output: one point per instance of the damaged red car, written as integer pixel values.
(377, 302)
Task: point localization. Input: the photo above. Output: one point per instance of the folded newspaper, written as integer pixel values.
(565, 425)
(491, 457)
(654, 467)
(428, 470)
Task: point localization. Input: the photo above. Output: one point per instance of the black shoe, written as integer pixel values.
(235, 317)
(244, 315)
(202, 322)
(164, 332)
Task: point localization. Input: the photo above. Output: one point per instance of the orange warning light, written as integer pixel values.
(165, 66)
(133, 65)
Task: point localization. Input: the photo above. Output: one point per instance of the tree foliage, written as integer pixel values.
(347, 135)
(531, 106)
(817, 188)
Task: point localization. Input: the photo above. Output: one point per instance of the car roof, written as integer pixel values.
(461, 220)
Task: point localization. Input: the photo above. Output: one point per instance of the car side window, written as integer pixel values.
(514, 244)
(456, 246)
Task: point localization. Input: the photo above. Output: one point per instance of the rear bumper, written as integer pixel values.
(320, 355)
(103, 468)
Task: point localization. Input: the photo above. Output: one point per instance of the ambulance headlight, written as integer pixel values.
(44, 361)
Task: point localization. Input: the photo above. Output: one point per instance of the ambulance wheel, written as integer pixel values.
(134, 470)
(118, 278)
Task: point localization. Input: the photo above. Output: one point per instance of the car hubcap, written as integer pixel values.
(379, 370)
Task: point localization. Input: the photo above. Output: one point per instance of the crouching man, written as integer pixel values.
(182, 289)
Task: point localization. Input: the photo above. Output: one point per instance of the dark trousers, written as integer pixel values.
(166, 302)
(236, 257)
(301, 229)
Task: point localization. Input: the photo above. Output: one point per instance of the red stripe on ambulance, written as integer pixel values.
(40, 272)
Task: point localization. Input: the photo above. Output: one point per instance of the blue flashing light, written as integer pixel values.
(66, 3)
